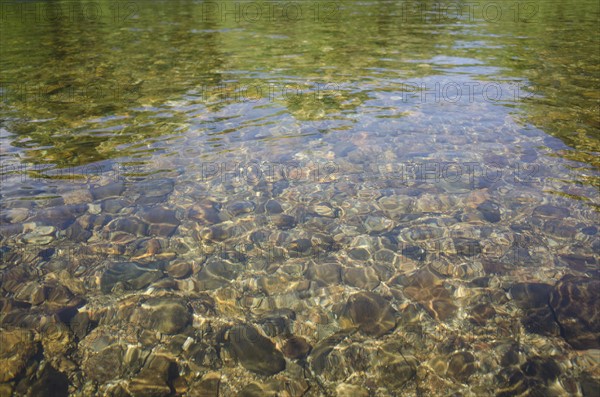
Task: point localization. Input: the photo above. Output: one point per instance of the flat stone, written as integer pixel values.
(361, 277)
(77, 233)
(321, 356)
(159, 215)
(327, 273)
(208, 386)
(346, 389)
(50, 383)
(16, 348)
(60, 217)
(371, 313)
(179, 269)
(296, 347)
(414, 252)
(106, 364)
(168, 315)
(273, 207)
(216, 233)
(530, 295)
(395, 375)
(467, 247)
(131, 275)
(218, 273)
(240, 208)
(154, 379)
(129, 225)
(255, 352)
(461, 366)
(574, 301)
(490, 211)
(284, 222)
(359, 254)
(256, 390)
(553, 211)
(113, 189)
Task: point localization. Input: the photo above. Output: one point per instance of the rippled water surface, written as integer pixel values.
(358, 198)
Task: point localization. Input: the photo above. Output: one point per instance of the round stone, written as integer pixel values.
(284, 222)
(574, 301)
(490, 211)
(16, 348)
(256, 352)
(552, 211)
(179, 269)
(240, 208)
(165, 314)
(296, 347)
(131, 275)
(371, 313)
(273, 207)
(461, 366)
(361, 277)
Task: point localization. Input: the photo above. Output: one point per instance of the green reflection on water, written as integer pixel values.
(89, 84)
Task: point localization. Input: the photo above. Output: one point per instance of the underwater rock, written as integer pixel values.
(361, 277)
(159, 215)
(414, 252)
(50, 383)
(161, 221)
(155, 379)
(371, 313)
(17, 346)
(219, 232)
(325, 210)
(467, 247)
(178, 269)
(395, 375)
(481, 313)
(296, 347)
(106, 364)
(129, 225)
(325, 274)
(240, 207)
(490, 211)
(530, 295)
(461, 366)
(168, 315)
(255, 352)
(426, 287)
(284, 222)
(41, 235)
(574, 301)
(273, 207)
(218, 273)
(113, 189)
(256, 390)
(552, 211)
(208, 386)
(114, 206)
(346, 389)
(131, 275)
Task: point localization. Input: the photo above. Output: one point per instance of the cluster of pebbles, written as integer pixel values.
(350, 282)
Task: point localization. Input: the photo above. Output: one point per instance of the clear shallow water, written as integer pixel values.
(367, 198)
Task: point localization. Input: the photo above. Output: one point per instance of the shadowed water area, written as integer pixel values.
(358, 198)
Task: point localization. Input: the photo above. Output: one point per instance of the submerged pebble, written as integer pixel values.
(574, 301)
(370, 312)
(131, 276)
(256, 352)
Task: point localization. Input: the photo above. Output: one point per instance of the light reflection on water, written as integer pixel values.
(409, 192)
